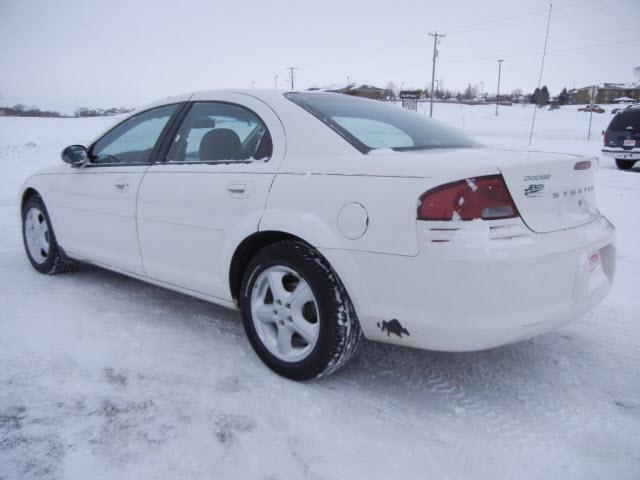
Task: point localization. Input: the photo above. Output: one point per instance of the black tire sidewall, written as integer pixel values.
(323, 289)
(48, 265)
(623, 164)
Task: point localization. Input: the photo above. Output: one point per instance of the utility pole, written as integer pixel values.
(593, 91)
(275, 81)
(482, 90)
(291, 75)
(435, 36)
(348, 81)
(253, 84)
(498, 92)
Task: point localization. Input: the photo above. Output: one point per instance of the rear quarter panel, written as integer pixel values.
(308, 205)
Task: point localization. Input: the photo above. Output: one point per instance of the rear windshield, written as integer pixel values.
(623, 120)
(372, 124)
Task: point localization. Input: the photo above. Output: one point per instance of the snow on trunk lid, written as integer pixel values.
(552, 191)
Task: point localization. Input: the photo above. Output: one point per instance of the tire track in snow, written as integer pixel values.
(440, 393)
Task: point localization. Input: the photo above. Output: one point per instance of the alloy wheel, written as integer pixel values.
(285, 313)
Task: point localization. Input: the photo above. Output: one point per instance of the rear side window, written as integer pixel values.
(374, 133)
(217, 132)
(372, 124)
(625, 119)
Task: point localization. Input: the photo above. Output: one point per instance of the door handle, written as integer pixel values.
(121, 184)
(240, 189)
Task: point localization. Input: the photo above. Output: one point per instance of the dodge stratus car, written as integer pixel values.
(325, 217)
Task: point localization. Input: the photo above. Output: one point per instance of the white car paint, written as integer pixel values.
(453, 285)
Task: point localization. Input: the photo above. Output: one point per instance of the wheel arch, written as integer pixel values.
(27, 193)
(339, 260)
(246, 250)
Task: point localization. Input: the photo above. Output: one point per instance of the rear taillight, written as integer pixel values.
(482, 197)
(606, 138)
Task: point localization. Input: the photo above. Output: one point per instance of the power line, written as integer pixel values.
(557, 50)
(387, 46)
(413, 66)
(473, 26)
(366, 52)
(544, 53)
(532, 46)
(459, 28)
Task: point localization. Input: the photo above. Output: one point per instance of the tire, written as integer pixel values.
(317, 327)
(39, 240)
(624, 164)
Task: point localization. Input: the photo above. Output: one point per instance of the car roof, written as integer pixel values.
(267, 95)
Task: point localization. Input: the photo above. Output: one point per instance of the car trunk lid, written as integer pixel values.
(551, 191)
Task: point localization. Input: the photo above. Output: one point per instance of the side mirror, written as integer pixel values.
(75, 155)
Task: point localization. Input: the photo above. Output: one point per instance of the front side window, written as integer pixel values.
(371, 124)
(216, 132)
(132, 141)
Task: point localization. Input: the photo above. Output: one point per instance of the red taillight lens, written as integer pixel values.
(482, 197)
(606, 137)
(583, 165)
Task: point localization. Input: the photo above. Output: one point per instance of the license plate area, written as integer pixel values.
(629, 143)
(597, 276)
(594, 261)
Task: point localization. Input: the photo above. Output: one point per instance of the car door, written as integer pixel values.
(209, 191)
(95, 204)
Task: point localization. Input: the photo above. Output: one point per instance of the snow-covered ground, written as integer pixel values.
(102, 376)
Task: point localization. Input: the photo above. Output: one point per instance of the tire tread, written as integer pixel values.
(58, 263)
(347, 333)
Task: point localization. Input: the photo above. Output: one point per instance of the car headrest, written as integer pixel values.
(204, 122)
(220, 144)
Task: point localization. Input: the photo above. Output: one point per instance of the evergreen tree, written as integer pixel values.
(543, 97)
(533, 97)
(563, 98)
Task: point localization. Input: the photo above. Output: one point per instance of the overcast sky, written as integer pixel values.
(63, 54)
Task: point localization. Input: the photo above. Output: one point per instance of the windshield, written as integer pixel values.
(372, 124)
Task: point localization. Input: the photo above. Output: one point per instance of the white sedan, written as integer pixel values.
(325, 217)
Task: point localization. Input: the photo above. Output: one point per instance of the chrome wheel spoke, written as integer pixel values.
(284, 340)
(42, 244)
(265, 314)
(308, 331)
(301, 295)
(275, 284)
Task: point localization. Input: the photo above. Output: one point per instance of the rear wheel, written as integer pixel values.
(624, 164)
(296, 312)
(40, 241)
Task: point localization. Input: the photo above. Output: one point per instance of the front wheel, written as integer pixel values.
(624, 164)
(296, 312)
(40, 241)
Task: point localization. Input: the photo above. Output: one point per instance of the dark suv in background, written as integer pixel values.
(622, 138)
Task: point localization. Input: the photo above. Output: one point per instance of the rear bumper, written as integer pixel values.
(633, 154)
(459, 296)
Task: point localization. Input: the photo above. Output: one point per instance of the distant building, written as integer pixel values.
(607, 93)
